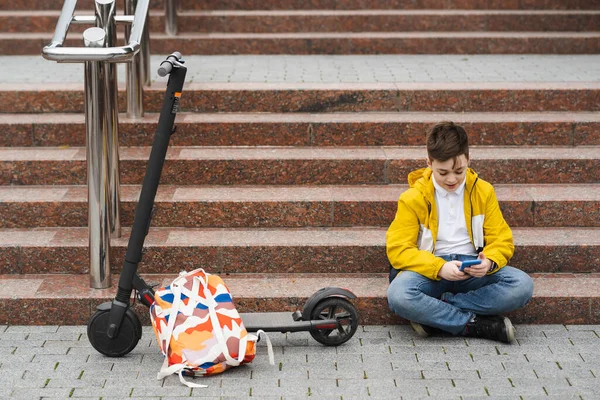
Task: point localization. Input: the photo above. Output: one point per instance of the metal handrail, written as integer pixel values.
(101, 112)
(56, 52)
(171, 7)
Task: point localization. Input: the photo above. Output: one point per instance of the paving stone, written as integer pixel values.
(544, 341)
(21, 343)
(13, 336)
(26, 382)
(32, 329)
(32, 373)
(472, 389)
(557, 357)
(61, 382)
(461, 374)
(180, 390)
(29, 393)
(53, 359)
(557, 397)
(572, 334)
(591, 327)
(136, 398)
(73, 336)
(377, 388)
(122, 363)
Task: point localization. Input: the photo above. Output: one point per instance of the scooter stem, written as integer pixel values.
(173, 65)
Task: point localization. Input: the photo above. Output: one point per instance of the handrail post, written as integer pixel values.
(171, 17)
(145, 53)
(97, 163)
(105, 19)
(135, 77)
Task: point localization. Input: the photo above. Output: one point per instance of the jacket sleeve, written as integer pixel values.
(499, 246)
(402, 244)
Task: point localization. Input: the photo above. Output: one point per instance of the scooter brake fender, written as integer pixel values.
(322, 294)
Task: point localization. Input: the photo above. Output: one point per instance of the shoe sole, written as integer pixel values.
(510, 330)
(419, 329)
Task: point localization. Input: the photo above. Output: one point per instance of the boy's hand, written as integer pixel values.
(450, 272)
(479, 270)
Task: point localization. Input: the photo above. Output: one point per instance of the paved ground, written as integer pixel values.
(379, 362)
(337, 69)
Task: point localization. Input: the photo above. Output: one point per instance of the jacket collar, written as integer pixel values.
(422, 180)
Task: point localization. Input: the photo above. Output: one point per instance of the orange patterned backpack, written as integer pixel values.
(198, 328)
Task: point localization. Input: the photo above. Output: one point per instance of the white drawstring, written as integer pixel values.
(262, 333)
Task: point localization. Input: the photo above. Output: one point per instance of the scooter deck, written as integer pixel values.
(274, 322)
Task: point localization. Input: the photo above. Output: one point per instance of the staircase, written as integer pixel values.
(283, 188)
(340, 27)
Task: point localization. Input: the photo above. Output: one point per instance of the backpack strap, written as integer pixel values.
(176, 290)
(167, 370)
(261, 333)
(217, 330)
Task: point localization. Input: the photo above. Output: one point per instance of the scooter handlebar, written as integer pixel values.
(166, 66)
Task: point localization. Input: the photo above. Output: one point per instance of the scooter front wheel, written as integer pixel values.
(129, 334)
(341, 310)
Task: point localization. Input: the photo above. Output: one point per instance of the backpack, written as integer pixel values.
(198, 329)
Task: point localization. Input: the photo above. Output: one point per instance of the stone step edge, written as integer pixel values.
(534, 193)
(212, 36)
(68, 300)
(16, 119)
(286, 97)
(258, 153)
(549, 128)
(328, 4)
(174, 237)
(325, 12)
(307, 87)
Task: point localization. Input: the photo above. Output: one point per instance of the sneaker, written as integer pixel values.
(422, 330)
(494, 327)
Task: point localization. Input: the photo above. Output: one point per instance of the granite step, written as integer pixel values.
(384, 21)
(328, 4)
(299, 165)
(57, 5)
(280, 21)
(67, 299)
(388, 4)
(274, 250)
(341, 43)
(325, 97)
(304, 129)
(566, 205)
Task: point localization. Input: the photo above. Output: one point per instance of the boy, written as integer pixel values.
(447, 216)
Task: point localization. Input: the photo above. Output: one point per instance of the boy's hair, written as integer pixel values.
(447, 140)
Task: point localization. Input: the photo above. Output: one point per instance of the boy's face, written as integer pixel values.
(451, 173)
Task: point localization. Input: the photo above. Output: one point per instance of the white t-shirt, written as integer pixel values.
(453, 236)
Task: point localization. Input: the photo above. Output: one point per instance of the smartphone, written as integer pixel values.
(468, 263)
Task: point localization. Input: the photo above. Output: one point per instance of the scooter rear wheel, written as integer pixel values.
(129, 334)
(344, 312)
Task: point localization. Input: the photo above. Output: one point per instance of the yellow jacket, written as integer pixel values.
(411, 238)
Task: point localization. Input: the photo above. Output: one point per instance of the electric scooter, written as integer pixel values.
(115, 329)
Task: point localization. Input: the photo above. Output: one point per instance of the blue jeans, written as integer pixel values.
(449, 305)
